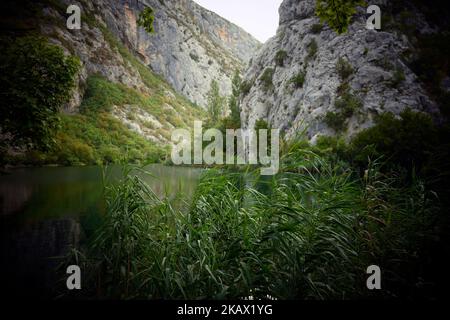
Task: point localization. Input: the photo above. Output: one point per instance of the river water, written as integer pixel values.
(45, 211)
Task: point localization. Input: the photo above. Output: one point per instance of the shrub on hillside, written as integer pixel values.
(280, 57)
(267, 78)
(344, 68)
(407, 141)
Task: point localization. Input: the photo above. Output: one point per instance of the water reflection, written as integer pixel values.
(45, 211)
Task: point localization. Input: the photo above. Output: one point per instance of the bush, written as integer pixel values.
(100, 139)
(312, 50)
(397, 78)
(36, 80)
(333, 146)
(316, 28)
(348, 104)
(344, 68)
(146, 19)
(406, 142)
(280, 57)
(338, 13)
(308, 232)
(299, 79)
(110, 154)
(246, 86)
(102, 94)
(335, 120)
(266, 79)
(73, 151)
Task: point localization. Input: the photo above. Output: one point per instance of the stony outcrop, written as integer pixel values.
(295, 83)
(191, 46)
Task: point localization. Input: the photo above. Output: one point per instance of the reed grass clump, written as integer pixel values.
(308, 232)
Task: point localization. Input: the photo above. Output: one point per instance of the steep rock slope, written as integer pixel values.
(295, 82)
(143, 102)
(191, 46)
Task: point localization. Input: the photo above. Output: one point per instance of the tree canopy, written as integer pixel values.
(215, 102)
(36, 79)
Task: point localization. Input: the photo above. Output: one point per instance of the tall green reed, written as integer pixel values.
(309, 232)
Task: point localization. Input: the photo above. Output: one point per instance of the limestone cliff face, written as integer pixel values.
(191, 46)
(304, 84)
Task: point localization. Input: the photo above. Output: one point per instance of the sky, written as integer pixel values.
(257, 17)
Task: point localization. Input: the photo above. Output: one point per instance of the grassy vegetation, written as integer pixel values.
(94, 139)
(36, 79)
(316, 28)
(245, 88)
(335, 120)
(346, 105)
(299, 79)
(344, 68)
(95, 136)
(309, 232)
(280, 56)
(267, 79)
(397, 78)
(312, 50)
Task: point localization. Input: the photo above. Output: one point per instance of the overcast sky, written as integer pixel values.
(257, 17)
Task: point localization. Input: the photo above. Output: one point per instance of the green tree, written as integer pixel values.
(337, 13)
(215, 102)
(36, 79)
(146, 19)
(233, 102)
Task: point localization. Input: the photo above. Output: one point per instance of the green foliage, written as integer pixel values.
(308, 232)
(101, 95)
(397, 78)
(280, 56)
(261, 124)
(407, 141)
(312, 50)
(233, 102)
(344, 68)
(266, 79)
(335, 120)
(215, 102)
(146, 19)
(337, 13)
(36, 79)
(316, 28)
(348, 104)
(333, 146)
(98, 138)
(246, 87)
(299, 79)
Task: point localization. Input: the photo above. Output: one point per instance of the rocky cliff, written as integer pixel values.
(307, 76)
(190, 47)
(170, 70)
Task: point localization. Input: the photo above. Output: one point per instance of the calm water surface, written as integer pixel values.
(45, 211)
